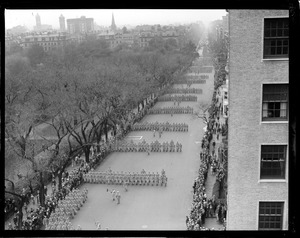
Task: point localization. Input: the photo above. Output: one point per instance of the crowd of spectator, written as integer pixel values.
(9, 206)
(203, 207)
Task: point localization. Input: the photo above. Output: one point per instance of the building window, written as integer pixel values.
(273, 160)
(270, 215)
(275, 102)
(276, 38)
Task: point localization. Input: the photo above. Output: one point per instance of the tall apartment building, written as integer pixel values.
(80, 25)
(62, 23)
(38, 20)
(258, 120)
(39, 26)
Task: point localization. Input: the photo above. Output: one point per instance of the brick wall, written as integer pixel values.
(247, 72)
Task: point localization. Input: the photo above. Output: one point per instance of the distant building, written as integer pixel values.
(145, 37)
(80, 25)
(38, 20)
(47, 40)
(62, 23)
(39, 26)
(258, 125)
(113, 26)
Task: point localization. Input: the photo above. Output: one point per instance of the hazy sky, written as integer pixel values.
(103, 17)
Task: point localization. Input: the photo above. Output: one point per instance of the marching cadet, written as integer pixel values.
(167, 146)
(101, 178)
(124, 184)
(139, 147)
(148, 178)
(142, 179)
(161, 130)
(157, 179)
(137, 179)
(132, 179)
(171, 146)
(152, 178)
(148, 149)
(160, 180)
(152, 146)
(177, 147)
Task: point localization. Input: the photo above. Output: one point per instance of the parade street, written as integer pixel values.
(150, 207)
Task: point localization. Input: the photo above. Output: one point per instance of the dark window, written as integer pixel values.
(273, 160)
(275, 102)
(276, 38)
(270, 215)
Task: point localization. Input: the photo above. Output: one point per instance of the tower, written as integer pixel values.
(38, 20)
(62, 24)
(113, 26)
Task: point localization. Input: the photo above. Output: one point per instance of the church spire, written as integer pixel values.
(113, 26)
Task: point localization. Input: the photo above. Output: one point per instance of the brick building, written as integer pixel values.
(258, 120)
(47, 40)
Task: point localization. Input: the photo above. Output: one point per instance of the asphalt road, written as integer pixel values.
(147, 207)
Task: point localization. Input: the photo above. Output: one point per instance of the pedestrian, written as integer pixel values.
(37, 197)
(118, 197)
(45, 190)
(98, 225)
(126, 186)
(26, 208)
(10, 226)
(32, 199)
(113, 194)
(154, 132)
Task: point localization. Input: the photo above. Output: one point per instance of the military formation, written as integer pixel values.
(191, 81)
(185, 90)
(66, 209)
(127, 178)
(171, 110)
(177, 98)
(150, 126)
(156, 146)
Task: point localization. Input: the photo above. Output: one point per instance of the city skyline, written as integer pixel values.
(103, 17)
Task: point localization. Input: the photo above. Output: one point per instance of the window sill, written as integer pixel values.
(272, 181)
(275, 59)
(272, 122)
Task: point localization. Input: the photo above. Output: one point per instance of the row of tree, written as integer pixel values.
(81, 92)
